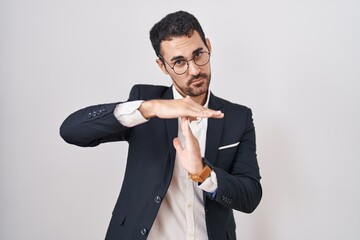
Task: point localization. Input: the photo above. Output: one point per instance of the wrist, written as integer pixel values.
(146, 109)
(198, 167)
(201, 176)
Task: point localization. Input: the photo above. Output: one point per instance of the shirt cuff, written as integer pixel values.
(128, 115)
(210, 184)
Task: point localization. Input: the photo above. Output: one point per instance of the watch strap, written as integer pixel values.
(200, 177)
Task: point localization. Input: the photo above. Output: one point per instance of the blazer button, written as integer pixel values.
(158, 199)
(144, 231)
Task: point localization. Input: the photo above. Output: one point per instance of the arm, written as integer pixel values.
(185, 107)
(240, 187)
(237, 187)
(97, 124)
(93, 125)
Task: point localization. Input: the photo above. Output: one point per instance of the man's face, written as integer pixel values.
(196, 80)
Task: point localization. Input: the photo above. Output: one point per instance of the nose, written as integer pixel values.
(194, 69)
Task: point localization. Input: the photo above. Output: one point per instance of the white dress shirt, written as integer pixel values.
(181, 214)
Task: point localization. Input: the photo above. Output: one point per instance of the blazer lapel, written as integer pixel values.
(214, 130)
(171, 125)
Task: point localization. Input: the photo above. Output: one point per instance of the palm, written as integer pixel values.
(189, 155)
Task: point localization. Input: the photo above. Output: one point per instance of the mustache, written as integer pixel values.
(201, 75)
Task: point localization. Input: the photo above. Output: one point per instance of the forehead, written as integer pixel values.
(181, 46)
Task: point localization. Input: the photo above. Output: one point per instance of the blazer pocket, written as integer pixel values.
(229, 146)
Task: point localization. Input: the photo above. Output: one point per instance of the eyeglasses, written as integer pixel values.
(182, 65)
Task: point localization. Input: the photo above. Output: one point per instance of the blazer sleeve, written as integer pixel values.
(240, 188)
(97, 124)
(92, 126)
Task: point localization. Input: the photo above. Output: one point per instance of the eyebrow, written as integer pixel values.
(182, 57)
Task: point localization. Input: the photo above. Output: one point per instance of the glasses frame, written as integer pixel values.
(187, 62)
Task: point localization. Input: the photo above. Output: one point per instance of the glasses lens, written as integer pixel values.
(202, 59)
(180, 69)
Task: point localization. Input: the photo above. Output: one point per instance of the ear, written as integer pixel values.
(208, 44)
(161, 66)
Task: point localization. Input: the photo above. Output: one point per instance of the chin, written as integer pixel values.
(195, 92)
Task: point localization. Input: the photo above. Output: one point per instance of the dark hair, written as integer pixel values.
(175, 24)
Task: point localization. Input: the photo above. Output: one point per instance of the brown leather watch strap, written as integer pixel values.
(200, 177)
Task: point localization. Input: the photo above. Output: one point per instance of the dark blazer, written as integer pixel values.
(151, 157)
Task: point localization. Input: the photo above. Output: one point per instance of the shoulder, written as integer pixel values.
(236, 116)
(146, 91)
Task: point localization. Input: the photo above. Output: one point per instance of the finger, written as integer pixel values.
(197, 110)
(216, 114)
(208, 113)
(185, 126)
(190, 140)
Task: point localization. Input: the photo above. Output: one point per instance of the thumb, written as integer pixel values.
(177, 144)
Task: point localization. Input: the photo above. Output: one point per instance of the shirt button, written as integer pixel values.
(144, 231)
(157, 199)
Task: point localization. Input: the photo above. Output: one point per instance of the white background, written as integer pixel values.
(295, 63)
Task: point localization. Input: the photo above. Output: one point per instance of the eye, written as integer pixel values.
(198, 55)
(179, 62)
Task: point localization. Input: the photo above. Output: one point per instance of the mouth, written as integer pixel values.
(197, 81)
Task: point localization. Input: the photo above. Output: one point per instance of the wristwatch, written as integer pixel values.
(200, 177)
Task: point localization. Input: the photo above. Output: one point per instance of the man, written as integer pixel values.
(192, 155)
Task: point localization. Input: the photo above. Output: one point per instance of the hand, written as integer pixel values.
(185, 107)
(189, 155)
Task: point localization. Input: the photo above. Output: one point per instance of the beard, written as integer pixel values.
(197, 89)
